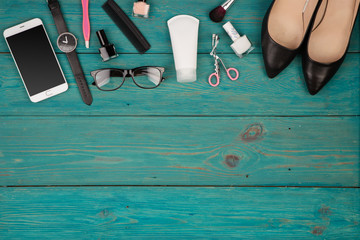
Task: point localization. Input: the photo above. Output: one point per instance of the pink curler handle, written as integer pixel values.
(229, 74)
(86, 22)
(217, 80)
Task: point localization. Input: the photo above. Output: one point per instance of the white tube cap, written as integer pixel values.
(186, 75)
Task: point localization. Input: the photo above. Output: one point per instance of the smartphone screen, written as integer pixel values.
(36, 60)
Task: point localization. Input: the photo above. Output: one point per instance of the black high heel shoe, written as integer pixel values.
(284, 28)
(328, 42)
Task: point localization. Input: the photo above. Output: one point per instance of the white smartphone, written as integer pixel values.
(35, 60)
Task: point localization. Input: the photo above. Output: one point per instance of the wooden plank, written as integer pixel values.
(246, 16)
(163, 213)
(252, 94)
(179, 151)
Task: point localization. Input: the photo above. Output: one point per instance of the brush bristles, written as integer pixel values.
(217, 14)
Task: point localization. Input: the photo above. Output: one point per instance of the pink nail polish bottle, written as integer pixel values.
(141, 9)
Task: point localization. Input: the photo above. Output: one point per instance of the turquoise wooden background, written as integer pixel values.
(249, 159)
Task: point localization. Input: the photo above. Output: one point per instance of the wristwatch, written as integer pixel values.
(67, 43)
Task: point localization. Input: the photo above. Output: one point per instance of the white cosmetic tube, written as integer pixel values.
(184, 30)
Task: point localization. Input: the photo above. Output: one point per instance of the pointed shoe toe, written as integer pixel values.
(284, 29)
(276, 57)
(328, 42)
(317, 75)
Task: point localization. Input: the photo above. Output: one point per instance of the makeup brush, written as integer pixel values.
(218, 13)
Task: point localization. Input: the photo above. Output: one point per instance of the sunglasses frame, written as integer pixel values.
(127, 73)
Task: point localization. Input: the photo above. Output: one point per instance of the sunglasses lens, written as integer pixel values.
(108, 80)
(147, 77)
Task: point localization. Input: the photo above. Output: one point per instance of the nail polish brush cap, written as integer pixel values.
(107, 50)
(231, 31)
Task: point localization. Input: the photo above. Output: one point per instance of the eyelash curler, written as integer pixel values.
(216, 74)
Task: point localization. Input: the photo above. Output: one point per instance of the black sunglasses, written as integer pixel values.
(111, 79)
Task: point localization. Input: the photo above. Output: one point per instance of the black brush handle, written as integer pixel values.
(126, 26)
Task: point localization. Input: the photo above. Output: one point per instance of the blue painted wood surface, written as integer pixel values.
(257, 135)
(246, 16)
(180, 151)
(179, 212)
(253, 94)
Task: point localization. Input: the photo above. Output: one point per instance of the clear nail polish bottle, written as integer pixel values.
(141, 9)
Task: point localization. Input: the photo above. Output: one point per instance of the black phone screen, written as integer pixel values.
(36, 60)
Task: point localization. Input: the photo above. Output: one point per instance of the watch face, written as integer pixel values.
(67, 42)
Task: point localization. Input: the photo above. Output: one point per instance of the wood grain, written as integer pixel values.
(164, 213)
(246, 16)
(252, 94)
(256, 134)
(179, 151)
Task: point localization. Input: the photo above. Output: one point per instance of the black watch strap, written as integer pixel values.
(76, 68)
(79, 77)
(54, 7)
